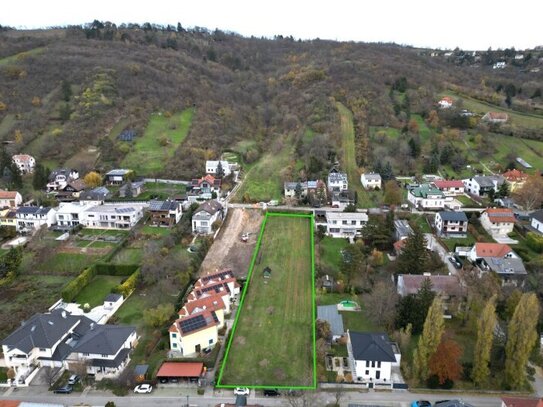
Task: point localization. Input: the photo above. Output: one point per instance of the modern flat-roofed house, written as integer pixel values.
(498, 221)
(342, 199)
(483, 184)
(68, 214)
(345, 224)
(10, 199)
(165, 213)
(451, 224)
(31, 218)
(204, 217)
(372, 356)
(501, 259)
(450, 187)
(536, 220)
(25, 163)
(112, 216)
(212, 168)
(371, 180)
(118, 176)
(426, 196)
(495, 117)
(337, 181)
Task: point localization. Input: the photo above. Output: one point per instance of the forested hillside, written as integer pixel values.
(66, 95)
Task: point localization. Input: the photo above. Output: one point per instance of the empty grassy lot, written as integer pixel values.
(161, 138)
(272, 343)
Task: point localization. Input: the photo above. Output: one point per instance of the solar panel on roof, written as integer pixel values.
(192, 324)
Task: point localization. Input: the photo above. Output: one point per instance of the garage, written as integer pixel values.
(174, 372)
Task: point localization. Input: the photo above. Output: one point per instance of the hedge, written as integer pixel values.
(534, 242)
(115, 269)
(129, 285)
(70, 290)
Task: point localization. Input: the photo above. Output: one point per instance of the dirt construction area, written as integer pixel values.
(228, 250)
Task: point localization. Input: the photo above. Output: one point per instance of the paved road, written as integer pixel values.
(435, 246)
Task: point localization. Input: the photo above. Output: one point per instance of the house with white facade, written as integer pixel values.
(290, 188)
(118, 176)
(212, 168)
(481, 185)
(112, 216)
(59, 178)
(446, 102)
(10, 199)
(345, 224)
(337, 181)
(195, 333)
(372, 357)
(203, 218)
(31, 218)
(206, 186)
(498, 221)
(536, 221)
(451, 224)
(25, 163)
(68, 214)
(371, 181)
(495, 117)
(450, 187)
(500, 259)
(426, 196)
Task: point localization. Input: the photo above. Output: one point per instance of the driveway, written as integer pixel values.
(433, 245)
(504, 239)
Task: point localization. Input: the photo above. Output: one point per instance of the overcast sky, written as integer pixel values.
(468, 24)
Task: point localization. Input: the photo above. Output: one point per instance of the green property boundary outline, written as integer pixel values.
(313, 307)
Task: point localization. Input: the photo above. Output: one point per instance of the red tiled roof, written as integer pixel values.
(500, 215)
(440, 284)
(515, 175)
(181, 369)
(449, 184)
(446, 99)
(22, 157)
(213, 303)
(491, 249)
(8, 194)
(9, 403)
(522, 402)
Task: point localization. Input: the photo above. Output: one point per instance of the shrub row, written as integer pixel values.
(129, 284)
(534, 242)
(70, 290)
(115, 269)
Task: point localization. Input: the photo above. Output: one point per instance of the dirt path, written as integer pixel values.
(227, 250)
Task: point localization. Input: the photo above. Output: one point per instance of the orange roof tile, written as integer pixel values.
(8, 194)
(491, 249)
(500, 215)
(449, 184)
(515, 175)
(213, 303)
(181, 369)
(522, 402)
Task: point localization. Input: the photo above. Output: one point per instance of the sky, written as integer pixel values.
(468, 24)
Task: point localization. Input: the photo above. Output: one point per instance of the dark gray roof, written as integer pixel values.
(33, 210)
(330, 314)
(452, 403)
(99, 193)
(141, 370)
(112, 362)
(372, 346)
(337, 177)
(487, 181)
(163, 205)
(451, 216)
(118, 172)
(537, 215)
(104, 339)
(113, 297)
(210, 207)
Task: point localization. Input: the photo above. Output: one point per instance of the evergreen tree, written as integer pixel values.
(413, 309)
(503, 191)
(298, 191)
(129, 193)
(387, 174)
(521, 338)
(220, 170)
(378, 167)
(485, 333)
(414, 258)
(430, 339)
(40, 177)
(16, 177)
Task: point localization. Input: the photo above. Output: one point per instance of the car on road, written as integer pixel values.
(271, 393)
(421, 403)
(67, 389)
(73, 379)
(241, 391)
(454, 262)
(143, 388)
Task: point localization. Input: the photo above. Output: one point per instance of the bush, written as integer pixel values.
(70, 291)
(115, 269)
(128, 285)
(534, 242)
(201, 391)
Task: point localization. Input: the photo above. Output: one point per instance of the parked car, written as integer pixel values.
(67, 389)
(143, 388)
(271, 393)
(163, 380)
(73, 379)
(456, 264)
(421, 403)
(241, 391)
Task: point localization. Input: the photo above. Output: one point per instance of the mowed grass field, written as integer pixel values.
(148, 155)
(272, 344)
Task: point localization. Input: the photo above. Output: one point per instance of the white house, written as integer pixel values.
(481, 185)
(345, 224)
(118, 176)
(10, 199)
(213, 166)
(446, 102)
(372, 356)
(501, 259)
(498, 221)
(537, 220)
(204, 217)
(291, 187)
(221, 283)
(30, 218)
(58, 179)
(451, 224)
(112, 216)
(371, 180)
(26, 163)
(68, 215)
(426, 196)
(337, 181)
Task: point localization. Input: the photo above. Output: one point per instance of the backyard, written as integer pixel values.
(272, 339)
(97, 290)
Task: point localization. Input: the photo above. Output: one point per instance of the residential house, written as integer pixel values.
(501, 259)
(499, 65)
(371, 180)
(446, 102)
(96, 195)
(118, 176)
(402, 229)
(112, 216)
(10, 199)
(221, 283)
(31, 218)
(71, 192)
(205, 216)
(342, 199)
(450, 187)
(58, 338)
(337, 181)
(68, 214)
(212, 168)
(495, 117)
(451, 224)
(206, 185)
(291, 188)
(195, 333)
(448, 287)
(345, 224)
(372, 356)
(26, 163)
(498, 221)
(59, 178)
(136, 188)
(165, 213)
(213, 302)
(8, 217)
(330, 314)
(536, 220)
(515, 178)
(481, 185)
(522, 402)
(426, 196)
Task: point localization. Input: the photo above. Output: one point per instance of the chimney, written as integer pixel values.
(64, 314)
(91, 326)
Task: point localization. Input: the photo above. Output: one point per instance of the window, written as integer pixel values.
(373, 363)
(174, 335)
(211, 341)
(367, 363)
(379, 365)
(174, 345)
(104, 355)
(367, 372)
(43, 350)
(353, 222)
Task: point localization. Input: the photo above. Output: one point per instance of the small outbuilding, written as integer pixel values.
(266, 272)
(189, 371)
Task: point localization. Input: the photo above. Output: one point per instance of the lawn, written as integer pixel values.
(153, 230)
(97, 290)
(148, 155)
(67, 263)
(131, 312)
(160, 190)
(354, 321)
(128, 255)
(330, 252)
(272, 341)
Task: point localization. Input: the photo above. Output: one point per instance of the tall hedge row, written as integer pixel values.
(115, 269)
(74, 287)
(129, 284)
